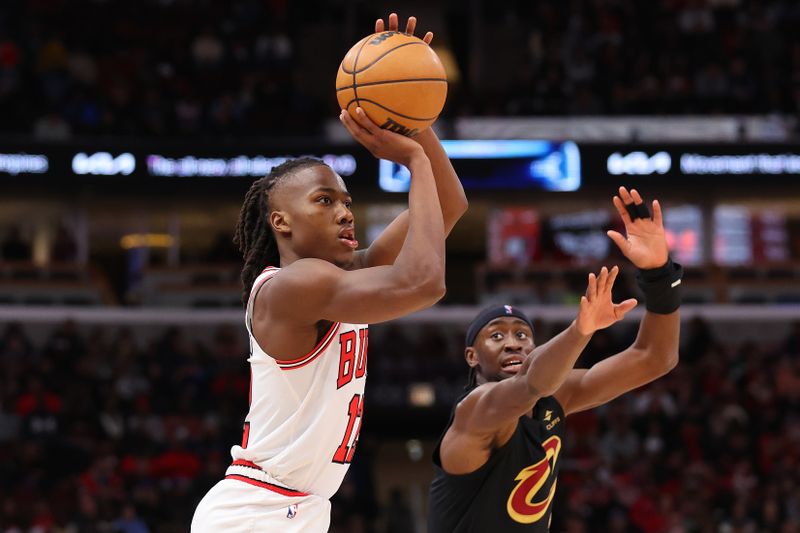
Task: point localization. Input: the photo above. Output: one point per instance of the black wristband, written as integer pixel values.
(636, 211)
(661, 287)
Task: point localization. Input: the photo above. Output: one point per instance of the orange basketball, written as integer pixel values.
(397, 79)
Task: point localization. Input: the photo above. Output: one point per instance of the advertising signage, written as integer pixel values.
(694, 163)
(501, 165)
(485, 165)
(143, 161)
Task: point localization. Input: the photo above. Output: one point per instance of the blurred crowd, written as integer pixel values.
(266, 67)
(591, 57)
(102, 433)
(713, 447)
(102, 430)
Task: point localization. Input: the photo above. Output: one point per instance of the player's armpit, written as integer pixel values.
(310, 290)
(493, 408)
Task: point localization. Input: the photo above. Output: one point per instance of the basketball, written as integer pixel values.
(396, 78)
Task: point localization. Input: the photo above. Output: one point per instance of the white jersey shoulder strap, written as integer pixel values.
(262, 278)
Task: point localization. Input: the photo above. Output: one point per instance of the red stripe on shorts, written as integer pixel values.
(264, 485)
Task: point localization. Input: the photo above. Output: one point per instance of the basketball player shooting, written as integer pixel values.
(307, 290)
(497, 462)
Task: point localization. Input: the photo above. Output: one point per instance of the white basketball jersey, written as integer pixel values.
(305, 414)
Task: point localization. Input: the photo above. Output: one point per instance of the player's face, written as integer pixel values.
(320, 220)
(501, 347)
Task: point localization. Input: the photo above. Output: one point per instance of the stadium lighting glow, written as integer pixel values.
(146, 240)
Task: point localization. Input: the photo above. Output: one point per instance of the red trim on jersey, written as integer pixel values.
(300, 362)
(265, 485)
(242, 462)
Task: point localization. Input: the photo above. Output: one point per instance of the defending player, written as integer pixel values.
(497, 462)
(316, 297)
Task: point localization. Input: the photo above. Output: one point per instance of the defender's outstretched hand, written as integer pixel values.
(597, 310)
(646, 243)
(411, 25)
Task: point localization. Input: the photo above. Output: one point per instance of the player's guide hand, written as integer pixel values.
(411, 25)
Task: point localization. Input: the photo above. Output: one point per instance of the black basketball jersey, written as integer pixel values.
(513, 491)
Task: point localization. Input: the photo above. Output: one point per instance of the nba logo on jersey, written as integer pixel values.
(508, 309)
(292, 512)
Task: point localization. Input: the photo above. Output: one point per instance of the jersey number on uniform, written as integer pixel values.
(355, 410)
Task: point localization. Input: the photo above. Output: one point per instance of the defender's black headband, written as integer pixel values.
(487, 315)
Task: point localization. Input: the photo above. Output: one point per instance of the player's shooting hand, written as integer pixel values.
(597, 310)
(383, 144)
(646, 243)
(411, 25)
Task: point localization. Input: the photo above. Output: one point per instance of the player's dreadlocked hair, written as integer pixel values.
(253, 233)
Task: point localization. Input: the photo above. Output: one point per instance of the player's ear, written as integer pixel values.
(471, 356)
(279, 220)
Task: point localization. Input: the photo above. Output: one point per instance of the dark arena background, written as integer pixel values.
(130, 131)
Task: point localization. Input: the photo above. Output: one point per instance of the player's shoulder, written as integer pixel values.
(471, 398)
(296, 286)
(305, 272)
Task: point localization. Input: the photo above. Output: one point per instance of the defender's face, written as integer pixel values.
(320, 221)
(500, 348)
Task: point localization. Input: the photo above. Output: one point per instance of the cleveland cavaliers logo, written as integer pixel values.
(521, 505)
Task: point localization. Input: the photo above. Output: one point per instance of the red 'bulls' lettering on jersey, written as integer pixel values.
(361, 367)
(352, 356)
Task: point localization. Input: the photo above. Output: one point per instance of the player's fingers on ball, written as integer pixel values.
(411, 25)
(346, 119)
(637, 198)
(393, 22)
(428, 37)
(379, 26)
(353, 127)
(356, 134)
(362, 121)
(365, 122)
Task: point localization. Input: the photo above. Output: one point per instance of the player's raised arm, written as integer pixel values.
(451, 194)
(494, 408)
(310, 290)
(655, 350)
